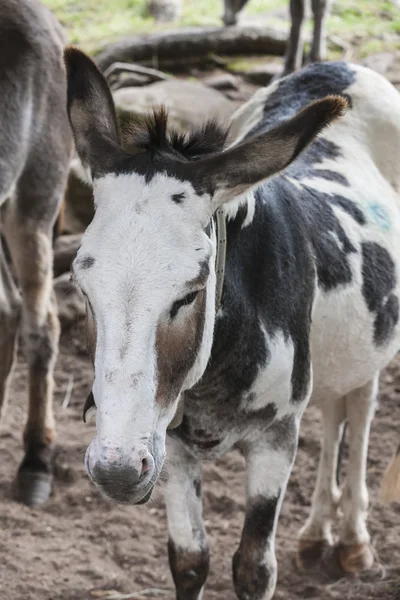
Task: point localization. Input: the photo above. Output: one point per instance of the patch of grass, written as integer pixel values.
(92, 23)
(243, 64)
(365, 18)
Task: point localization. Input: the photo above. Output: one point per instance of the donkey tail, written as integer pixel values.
(390, 487)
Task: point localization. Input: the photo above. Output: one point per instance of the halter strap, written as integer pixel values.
(220, 258)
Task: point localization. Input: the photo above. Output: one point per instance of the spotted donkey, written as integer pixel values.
(309, 303)
(294, 51)
(36, 144)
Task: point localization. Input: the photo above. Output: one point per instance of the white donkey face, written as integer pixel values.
(146, 264)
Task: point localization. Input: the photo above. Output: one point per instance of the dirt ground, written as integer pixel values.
(79, 542)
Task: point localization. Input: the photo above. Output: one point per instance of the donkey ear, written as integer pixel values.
(243, 167)
(91, 113)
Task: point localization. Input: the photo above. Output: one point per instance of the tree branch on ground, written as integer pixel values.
(192, 45)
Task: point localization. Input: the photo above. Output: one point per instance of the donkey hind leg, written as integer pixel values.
(231, 10)
(294, 51)
(321, 10)
(187, 545)
(354, 550)
(269, 463)
(10, 310)
(31, 249)
(316, 535)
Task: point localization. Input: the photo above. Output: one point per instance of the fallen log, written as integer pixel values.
(119, 67)
(192, 44)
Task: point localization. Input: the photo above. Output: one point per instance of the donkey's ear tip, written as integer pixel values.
(335, 106)
(83, 75)
(72, 55)
(76, 60)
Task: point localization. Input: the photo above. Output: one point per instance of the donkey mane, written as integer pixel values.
(153, 135)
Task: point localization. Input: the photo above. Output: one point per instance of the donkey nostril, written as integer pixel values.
(145, 468)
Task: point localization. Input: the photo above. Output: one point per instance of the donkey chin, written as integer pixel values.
(122, 482)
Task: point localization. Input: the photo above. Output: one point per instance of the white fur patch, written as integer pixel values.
(273, 383)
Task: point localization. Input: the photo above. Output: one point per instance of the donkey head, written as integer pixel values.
(146, 264)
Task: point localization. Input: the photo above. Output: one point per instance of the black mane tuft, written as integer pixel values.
(152, 135)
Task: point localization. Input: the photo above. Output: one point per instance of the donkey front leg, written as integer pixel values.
(187, 545)
(31, 251)
(321, 10)
(10, 310)
(355, 553)
(269, 463)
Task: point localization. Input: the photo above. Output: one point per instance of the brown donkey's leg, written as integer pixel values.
(10, 307)
(294, 51)
(321, 10)
(31, 249)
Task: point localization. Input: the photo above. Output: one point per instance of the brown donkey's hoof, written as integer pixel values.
(310, 553)
(33, 488)
(355, 558)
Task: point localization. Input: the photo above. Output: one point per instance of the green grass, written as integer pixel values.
(374, 24)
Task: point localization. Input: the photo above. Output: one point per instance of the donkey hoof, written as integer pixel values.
(33, 488)
(310, 553)
(355, 557)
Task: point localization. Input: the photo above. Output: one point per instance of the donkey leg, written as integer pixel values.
(231, 10)
(316, 535)
(294, 51)
(354, 549)
(10, 310)
(31, 250)
(269, 463)
(187, 545)
(320, 9)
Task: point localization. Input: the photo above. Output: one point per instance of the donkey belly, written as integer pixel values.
(349, 342)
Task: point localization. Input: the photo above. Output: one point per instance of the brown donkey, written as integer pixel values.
(35, 151)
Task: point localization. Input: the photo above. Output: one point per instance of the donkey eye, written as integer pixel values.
(188, 299)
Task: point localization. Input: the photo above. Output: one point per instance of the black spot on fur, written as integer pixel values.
(178, 197)
(305, 86)
(320, 150)
(329, 240)
(386, 320)
(350, 207)
(314, 82)
(379, 281)
(86, 262)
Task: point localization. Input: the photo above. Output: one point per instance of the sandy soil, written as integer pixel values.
(79, 542)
